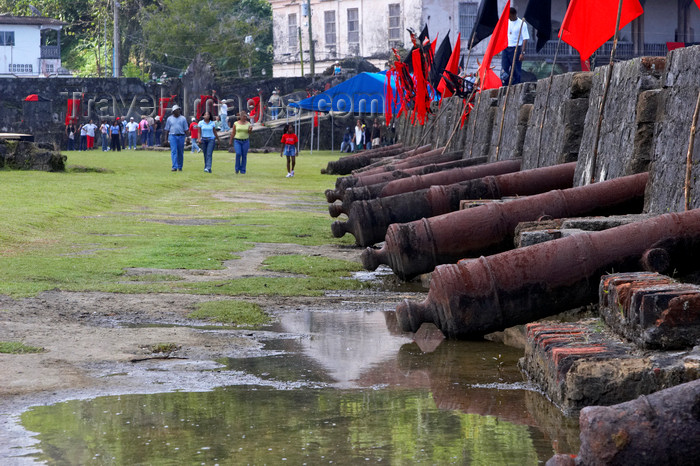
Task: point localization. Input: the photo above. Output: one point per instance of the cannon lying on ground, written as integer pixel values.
(661, 428)
(417, 247)
(363, 193)
(368, 220)
(479, 296)
(345, 165)
(379, 163)
(419, 156)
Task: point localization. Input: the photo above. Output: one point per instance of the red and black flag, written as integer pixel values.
(486, 20)
(442, 56)
(539, 15)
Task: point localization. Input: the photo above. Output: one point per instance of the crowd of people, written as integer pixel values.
(114, 134)
(203, 133)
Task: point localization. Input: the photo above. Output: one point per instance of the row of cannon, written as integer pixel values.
(409, 198)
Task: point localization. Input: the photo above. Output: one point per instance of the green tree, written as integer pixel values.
(175, 31)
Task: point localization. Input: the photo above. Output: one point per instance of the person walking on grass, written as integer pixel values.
(175, 132)
(240, 140)
(289, 148)
(208, 133)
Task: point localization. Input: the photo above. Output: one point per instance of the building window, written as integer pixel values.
(292, 29)
(329, 19)
(7, 38)
(353, 26)
(49, 68)
(18, 68)
(394, 25)
(467, 18)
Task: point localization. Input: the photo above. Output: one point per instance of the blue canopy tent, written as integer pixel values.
(363, 93)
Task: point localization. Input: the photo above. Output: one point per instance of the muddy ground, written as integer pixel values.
(98, 343)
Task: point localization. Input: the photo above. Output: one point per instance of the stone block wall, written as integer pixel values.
(561, 118)
(627, 128)
(508, 143)
(681, 85)
(480, 125)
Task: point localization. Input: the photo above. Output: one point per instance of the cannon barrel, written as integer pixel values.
(479, 296)
(661, 428)
(368, 220)
(362, 193)
(432, 156)
(380, 162)
(417, 247)
(344, 182)
(345, 165)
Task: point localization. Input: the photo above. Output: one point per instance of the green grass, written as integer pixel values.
(163, 348)
(81, 229)
(240, 313)
(16, 347)
(313, 266)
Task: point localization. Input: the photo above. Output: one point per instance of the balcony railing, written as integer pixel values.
(50, 51)
(624, 51)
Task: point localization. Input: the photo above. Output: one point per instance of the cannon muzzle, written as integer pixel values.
(339, 229)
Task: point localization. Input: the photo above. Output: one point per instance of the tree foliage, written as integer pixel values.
(159, 35)
(176, 31)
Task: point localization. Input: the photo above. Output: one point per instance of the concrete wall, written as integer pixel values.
(627, 129)
(509, 127)
(26, 51)
(556, 123)
(681, 87)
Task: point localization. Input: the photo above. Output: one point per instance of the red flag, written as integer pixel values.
(452, 67)
(698, 3)
(420, 101)
(588, 24)
(497, 43)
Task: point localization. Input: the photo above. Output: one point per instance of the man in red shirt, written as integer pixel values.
(194, 134)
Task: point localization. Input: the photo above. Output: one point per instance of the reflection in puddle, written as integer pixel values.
(387, 401)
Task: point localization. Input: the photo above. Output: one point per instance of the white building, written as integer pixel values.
(29, 46)
(370, 28)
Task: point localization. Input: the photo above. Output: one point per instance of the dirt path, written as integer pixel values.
(99, 343)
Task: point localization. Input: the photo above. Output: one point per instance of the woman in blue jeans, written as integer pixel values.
(240, 140)
(208, 133)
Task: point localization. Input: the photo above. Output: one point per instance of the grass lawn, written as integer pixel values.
(80, 229)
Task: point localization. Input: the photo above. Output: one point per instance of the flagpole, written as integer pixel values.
(510, 81)
(608, 78)
(546, 102)
(457, 123)
(689, 156)
(478, 105)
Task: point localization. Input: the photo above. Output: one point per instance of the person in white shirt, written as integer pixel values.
(518, 35)
(132, 128)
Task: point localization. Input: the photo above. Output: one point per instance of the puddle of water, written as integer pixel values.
(384, 279)
(363, 393)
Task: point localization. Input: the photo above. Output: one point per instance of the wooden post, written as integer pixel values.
(546, 103)
(689, 155)
(510, 81)
(608, 77)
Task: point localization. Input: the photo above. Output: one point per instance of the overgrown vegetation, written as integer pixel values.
(240, 313)
(16, 347)
(81, 230)
(158, 36)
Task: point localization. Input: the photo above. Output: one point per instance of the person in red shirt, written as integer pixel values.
(194, 134)
(289, 148)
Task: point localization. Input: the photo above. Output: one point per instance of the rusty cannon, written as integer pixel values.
(367, 178)
(368, 220)
(661, 428)
(479, 296)
(417, 247)
(344, 182)
(361, 193)
(345, 165)
(431, 156)
(378, 163)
